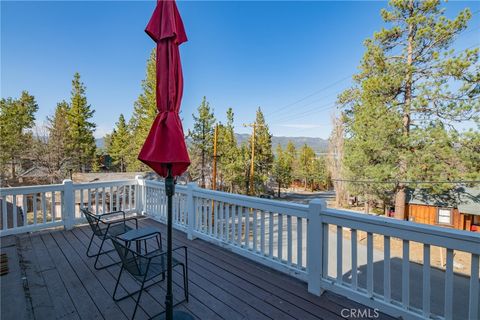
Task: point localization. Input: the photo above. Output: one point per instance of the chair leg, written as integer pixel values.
(185, 283)
(116, 285)
(101, 253)
(139, 296)
(89, 246)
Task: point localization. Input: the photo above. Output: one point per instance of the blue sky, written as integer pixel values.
(290, 58)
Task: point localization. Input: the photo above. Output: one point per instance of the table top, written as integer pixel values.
(138, 234)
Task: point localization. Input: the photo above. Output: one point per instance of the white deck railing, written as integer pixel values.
(318, 245)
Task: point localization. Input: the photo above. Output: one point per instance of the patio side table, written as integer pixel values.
(139, 235)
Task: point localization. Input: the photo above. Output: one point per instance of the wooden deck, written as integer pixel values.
(50, 277)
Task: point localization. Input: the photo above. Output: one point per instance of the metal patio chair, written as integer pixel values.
(105, 226)
(145, 267)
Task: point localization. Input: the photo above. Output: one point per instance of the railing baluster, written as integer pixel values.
(25, 209)
(209, 217)
(289, 240)
(449, 285)
(406, 274)
(386, 269)
(96, 201)
(103, 200)
(81, 191)
(221, 213)
(124, 198)
(54, 207)
(4, 213)
(255, 230)
(354, 245)
(247, 227)
(43, 202)
(280, 237)
(130, 197)
(110, 198)
(34, 206)
(228, 224)
(232, 214)
(270, 234)
(262, 232)
(370, 264)
(325, 249)
(89, 197)
(14, 213)
(299, 243)
(215, 217)
(426, 281)
(239, 225)
(473, 299)
(339, 253)
(117, 198)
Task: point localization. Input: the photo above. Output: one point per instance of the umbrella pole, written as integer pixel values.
(170, 191)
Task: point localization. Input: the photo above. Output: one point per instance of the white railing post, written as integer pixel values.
(314, 246)
(190, 210)
(68, 213)
(139, 195)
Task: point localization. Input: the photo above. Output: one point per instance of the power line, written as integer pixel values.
(309, 95)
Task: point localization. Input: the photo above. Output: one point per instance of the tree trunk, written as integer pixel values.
(203, 170)
(279, 189)
(13, 168)
(400, 197)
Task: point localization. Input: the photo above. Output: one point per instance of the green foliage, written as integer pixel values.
(16, 117)
(306, 160)
(411, 89)
(283, 168)
(201, 151)
(230, 163)
(263, 153)
(58, 140)
(81, 142)
(118, 144)
(144, 112)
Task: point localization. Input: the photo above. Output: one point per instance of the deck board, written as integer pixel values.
(62, 283)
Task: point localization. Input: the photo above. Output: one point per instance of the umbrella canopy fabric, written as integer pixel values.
(165, 143)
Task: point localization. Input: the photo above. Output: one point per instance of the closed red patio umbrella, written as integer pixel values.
(165, 150)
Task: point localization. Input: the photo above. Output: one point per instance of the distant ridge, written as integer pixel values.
(319, 145)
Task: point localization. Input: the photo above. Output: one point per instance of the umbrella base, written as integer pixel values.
(177, 315)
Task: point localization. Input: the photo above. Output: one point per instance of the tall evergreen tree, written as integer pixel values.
(118, 146)
(201, 135)
(306, 161)
(144, 112)
(17, 116)
(411, 86)
(282, 168)
(231, 166)
(263, 160)
(58, 140)
(81, 140)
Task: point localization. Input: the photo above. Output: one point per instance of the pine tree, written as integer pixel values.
(81, 140)
(17, 116)
(282, 168)
(263, 160)
(118, 145)
(201, 150)
(58, 140)
(144, 112)
(411, 86)
(230, 164)
(320, 176)
(306, 166)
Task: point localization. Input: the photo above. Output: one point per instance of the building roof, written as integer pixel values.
(466, 199)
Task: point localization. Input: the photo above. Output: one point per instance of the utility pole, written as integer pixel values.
(214, 174)
(252, 168)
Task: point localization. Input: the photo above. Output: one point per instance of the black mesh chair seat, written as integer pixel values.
(118, 229)
(145, 267)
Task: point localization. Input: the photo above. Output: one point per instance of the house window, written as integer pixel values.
(444, 216)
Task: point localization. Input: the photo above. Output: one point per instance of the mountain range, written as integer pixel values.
(319, 145)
